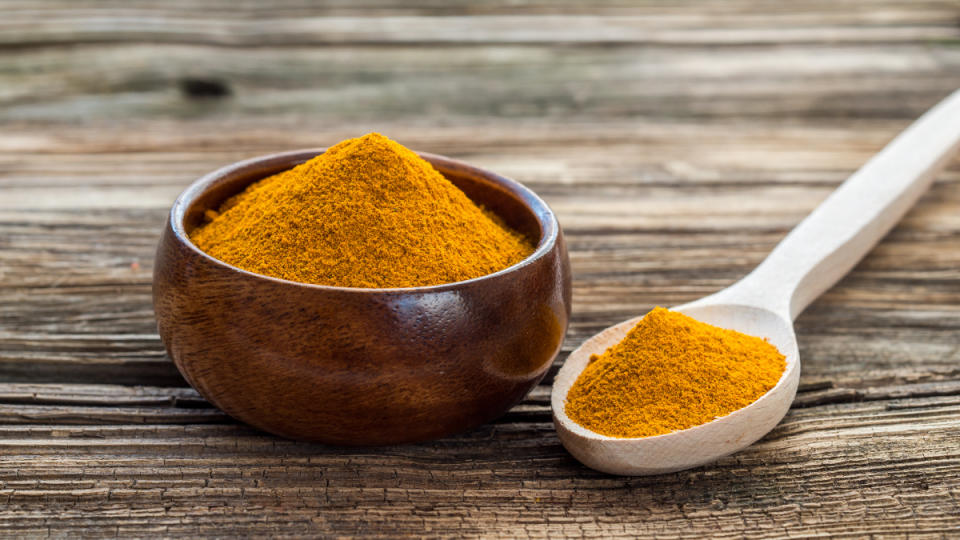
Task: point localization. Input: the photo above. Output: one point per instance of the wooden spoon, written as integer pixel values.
(814, 256)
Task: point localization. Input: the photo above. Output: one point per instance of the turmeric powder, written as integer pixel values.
(366, 213)
(671, 372)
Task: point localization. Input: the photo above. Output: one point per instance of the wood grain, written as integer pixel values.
(677, 142)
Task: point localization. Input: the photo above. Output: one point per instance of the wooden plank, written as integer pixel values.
(77, 414)
(220, 480)
(101, 82)
(108, 395)
(708, 11)
(656, 23)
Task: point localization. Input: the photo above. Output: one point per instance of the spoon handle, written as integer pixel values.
(838, 233)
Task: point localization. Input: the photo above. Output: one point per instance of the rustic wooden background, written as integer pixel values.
(677, 140)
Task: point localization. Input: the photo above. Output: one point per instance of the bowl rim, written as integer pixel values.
(547, 220)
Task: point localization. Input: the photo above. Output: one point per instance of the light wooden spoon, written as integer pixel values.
(814, 256)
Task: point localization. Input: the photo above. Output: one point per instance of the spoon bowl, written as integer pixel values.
(696, 445)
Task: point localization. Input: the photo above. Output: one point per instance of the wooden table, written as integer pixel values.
(677, 141)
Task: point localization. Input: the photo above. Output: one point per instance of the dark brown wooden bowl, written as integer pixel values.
(361, 366)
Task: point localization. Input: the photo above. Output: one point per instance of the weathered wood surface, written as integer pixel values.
(677, 141)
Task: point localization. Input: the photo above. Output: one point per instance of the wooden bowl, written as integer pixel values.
(361, 366)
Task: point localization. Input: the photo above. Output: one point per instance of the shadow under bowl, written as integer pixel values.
(361, 366)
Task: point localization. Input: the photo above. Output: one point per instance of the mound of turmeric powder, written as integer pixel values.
(366, 213)
(671, 372)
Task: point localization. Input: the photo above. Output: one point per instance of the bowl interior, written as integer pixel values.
(517, 206)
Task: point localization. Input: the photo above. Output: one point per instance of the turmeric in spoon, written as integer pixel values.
(672, 372)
